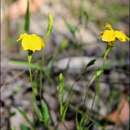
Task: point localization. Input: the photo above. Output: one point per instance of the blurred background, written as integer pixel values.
(75, 38)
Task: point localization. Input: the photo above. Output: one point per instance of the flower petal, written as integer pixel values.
(108, 36)
(108, 27)
(31, 42)
(121, 36)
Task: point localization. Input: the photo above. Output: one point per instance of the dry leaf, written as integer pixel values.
(121, 115)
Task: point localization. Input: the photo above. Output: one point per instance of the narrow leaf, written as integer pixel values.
(71, 28)
(13, 128)
(45, 113)
(91, 62)
(24, 127)
(24, 114)
(88, 65)
(50, 25)
(24, 64)
(27, 18)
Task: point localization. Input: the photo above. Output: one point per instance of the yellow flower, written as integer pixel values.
(121, 36)
(31, 42)
(109, 35)
(108, 26)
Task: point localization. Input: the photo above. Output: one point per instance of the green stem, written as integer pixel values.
(106, 53)
(33, 89)
(30, 72)
(98, 72)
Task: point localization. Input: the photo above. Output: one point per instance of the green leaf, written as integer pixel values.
(45, 113)
(98, 73)
(42, 112)
(91, 62)
(83, 15)
(13, 128)
(24, 114)
(27, 18)
(61, 93)
(50, 25)
(61, 77)
(24, 127)
(24, 64)
(64, 44)
(61, 88)
(12, 114)
(72, 28)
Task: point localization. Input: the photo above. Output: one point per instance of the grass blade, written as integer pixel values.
(27, 18)
(50, 25)
(24, 114)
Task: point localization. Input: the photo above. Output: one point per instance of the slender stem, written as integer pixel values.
(106, 53)
(105, 56)
(98, 73)
(30, 72)
(33, 89)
